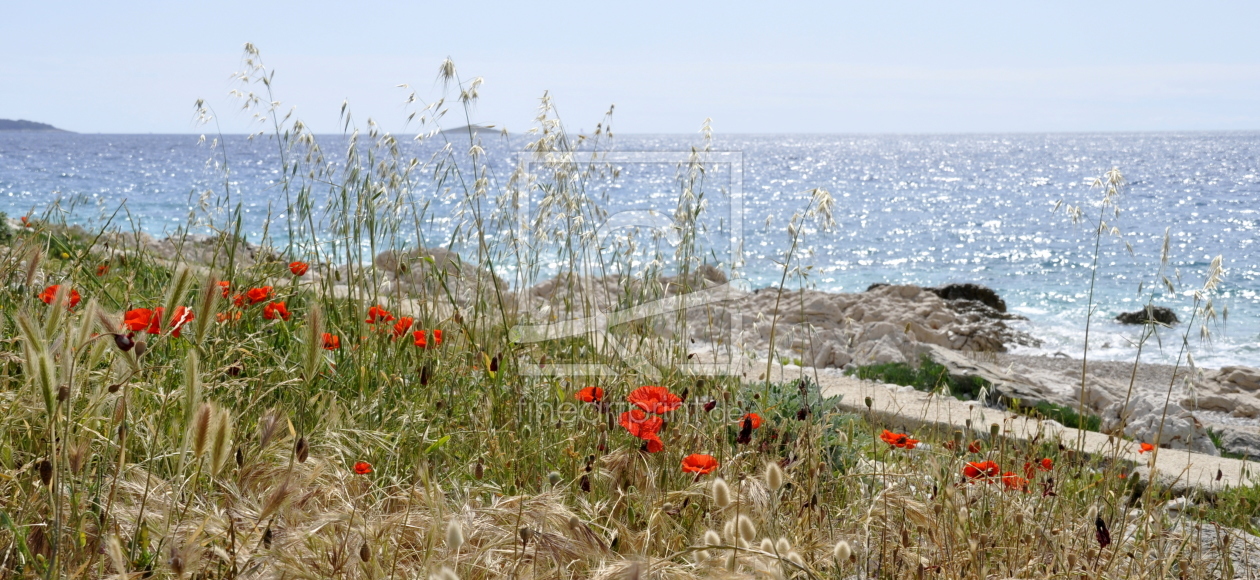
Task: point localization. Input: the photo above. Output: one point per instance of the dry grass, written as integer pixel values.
(230, 451)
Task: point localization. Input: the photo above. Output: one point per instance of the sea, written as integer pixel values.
(914, 209)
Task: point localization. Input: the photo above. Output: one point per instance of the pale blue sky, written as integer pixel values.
(834, 67)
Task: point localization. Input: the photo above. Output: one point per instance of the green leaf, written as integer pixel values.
(437, 445)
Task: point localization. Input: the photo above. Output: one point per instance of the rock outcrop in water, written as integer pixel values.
(1158, 314)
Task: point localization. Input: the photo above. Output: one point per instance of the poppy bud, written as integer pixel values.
(494, 364)
(365, 554)
(526, 534)
(63, 393)
(114, 387)
(993, 429)
(585, 483)
(267, 537)
(424, 375)
(802, 413)
(870, 402)
(45, 471)
(141, 347)
(710, 405)
(479, 470)
(123, 342)
(301, 449)
(234, 370)
(240, 458)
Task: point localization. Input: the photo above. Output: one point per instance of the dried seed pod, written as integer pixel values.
(301, 449)
(114, 387)
(141, 347)
(45, 472)
(365, 553)
(63, 393)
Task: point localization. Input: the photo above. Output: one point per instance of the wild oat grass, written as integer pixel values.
(225, 442)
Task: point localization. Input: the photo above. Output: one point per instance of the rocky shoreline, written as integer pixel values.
(961, 326)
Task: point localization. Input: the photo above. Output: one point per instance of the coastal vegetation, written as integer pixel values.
(207, 407)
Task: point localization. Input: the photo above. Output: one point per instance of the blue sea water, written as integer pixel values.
(923, 209)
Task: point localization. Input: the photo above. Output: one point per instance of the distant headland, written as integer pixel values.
(20, 125)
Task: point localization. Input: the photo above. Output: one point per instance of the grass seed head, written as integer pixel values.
(220, 450)
(774, 476)
(747, 530)
(842, 551)
(201, 428)
(455, 535)
(721, 493)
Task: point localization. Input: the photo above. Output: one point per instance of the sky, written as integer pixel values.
(785, 67)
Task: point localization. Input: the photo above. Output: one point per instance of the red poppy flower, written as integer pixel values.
(224, 317)
(590, 395)
(299, 268)
(182, 316)
(900, 440)
(653, 444)
(274, 310)
(641, 424)
(1015, 482)
(422, 338)
(226, 286)
(699, 463)
(402, 326)
(362, 468)
(654, 399)
(257, 295)
(238, 300)
(755, 418)
(155, 323)
(331, 341)
(1146, 447)
(981, 469)
(138, 319)
(102, 270)
(26, 222)
(1046, 464)
(975, 446)
(378, 314)
(50, 293)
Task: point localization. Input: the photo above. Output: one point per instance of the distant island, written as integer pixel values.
(20, 125)
(474, 128)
